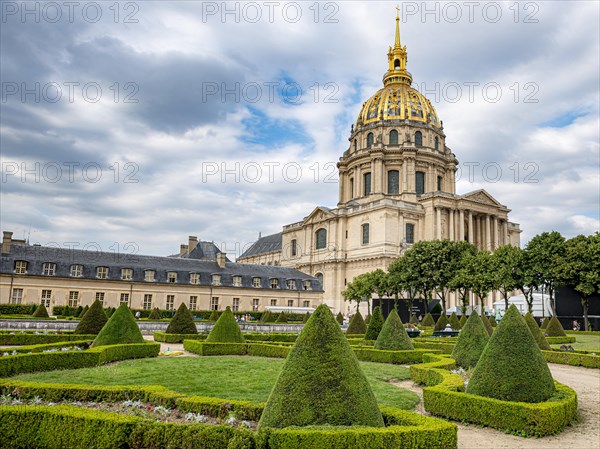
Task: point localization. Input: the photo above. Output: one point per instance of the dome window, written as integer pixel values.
(437, 143)
(369, 140)
(355, 145)
(419, 139)
(393, 179)
(393, 137)
(420, 182)
(397, 64)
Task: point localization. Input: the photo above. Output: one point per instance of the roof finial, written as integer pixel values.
(397, 42)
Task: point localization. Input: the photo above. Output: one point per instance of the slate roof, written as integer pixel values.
(36, 256)
(204, 251)
(264, 245)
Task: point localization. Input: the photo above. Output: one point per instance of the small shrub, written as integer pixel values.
(441, 322)
(214, 316)
(155, 314)
(486, 323)
(120, 328)
(182, 322)
(93, 321)
(555, 329)
(393, 336)
(78, 311)
(375, 324)
(492, 321)
(32, 309)
(471, 342)
(282, 318)
(357, 325)
(536, 332)
(414, 319)
(340, 318)
(545, 322)
(225, 330)
(305, 318)
(454, 322)
(368, 319)
(41, 312)
(463, 320)
(428, 321)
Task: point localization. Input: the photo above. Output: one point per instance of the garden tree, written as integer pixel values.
(340, 318)
(214, 316)
(463, 272)
(375, 324)
(93, 321)
(321, 382)
(182, 322)
(446, 261)
(492, 321)
(40, 312)
(379, 283)
(155, 314)
(471, 342)
(580, 269)
(121, 328)
(428, 320)
(463, 320)
(441, 322)
(487, 324)
(555, 329)
(225, 330)
(306, 317)
(512, 367)
(393, 336)
(402, 278)
(545, 252)
(282, 318)
(454, 322)
(536, 332)
(544, 324)
(422, 273)
(360, 288)
(357, 325)
(506, 267)
(482, 281)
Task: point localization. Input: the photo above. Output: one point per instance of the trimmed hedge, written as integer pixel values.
(536, 332)
(254, 349)
(14, 309)
(555, 329)
(182, 322)
(428, 321)
(560, 340)
(487, 324)
(39, 339)
(440, 324)
(393, 357)
(163, 337)
(93, 321)
(375, 324)
(48, 361)
(121, 328)
(471, 342)
(572, 358)
(280, 337)
(42, 348)
(40, 312)
(357, 325)
(226, 329)
(446, 348)
(444, 397)
(454, 322)
(393, 336)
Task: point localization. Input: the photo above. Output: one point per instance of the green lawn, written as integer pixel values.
(586, 342)
(227, 377)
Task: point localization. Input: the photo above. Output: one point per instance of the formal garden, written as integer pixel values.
(378, 385)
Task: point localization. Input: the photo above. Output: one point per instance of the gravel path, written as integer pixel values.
(585, 434)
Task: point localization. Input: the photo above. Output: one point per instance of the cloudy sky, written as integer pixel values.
(144, 122)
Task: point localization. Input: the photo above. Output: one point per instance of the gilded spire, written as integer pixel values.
(397, 73)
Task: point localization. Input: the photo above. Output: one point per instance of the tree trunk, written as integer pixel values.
(505, 294)
(552, 300)
(584, 303)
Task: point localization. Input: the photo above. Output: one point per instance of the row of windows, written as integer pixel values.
(393, 183)
(73, 301)
(393, 140)
(49, 269)
(321, 235)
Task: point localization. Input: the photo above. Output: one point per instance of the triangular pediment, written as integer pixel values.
(481, 196)
(318, 214)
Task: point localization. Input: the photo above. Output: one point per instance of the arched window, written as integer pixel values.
(369, 140)
(393, 137)
(437, 143)
(396, 64)
(321, 238)
(365, 234)
(367, 184)
(419, 139)
(420, 182)
(439, 183)
(319, 277)
(393, 182)
(356, 145)
(351, 188)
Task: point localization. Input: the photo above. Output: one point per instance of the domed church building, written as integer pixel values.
(396, 186)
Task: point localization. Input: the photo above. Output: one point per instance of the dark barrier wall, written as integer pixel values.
(569, 308)
(418, 308)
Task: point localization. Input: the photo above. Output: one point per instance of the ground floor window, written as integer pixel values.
(17, 296)
(170, 302)
(193, 302)
(255, 303)
(214, 303)
(290, 303)
(273, 302)
(100, 297)
(124, 299)
(147, 304)
(235, 306)
(73, 298)
(305, 303)
(46, 295)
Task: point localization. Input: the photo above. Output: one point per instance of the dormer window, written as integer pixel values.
(102, 272)
(256, 282)
(237, 281)
(76, 271)
(216, 279)
(171, 277)
(20, 266)
(126, 274)
(149, 275)
(274, 283)
(194, 278)
(307, 285)
(48, 269)
(291, 284)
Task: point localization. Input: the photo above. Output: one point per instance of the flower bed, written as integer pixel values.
(444, 396)
(52, 347)
(39, 338)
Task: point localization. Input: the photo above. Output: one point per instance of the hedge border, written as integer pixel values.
(560, 340)
(444, 396)
(21, 339)
(163, 337)
(572, 358)
(42, 348)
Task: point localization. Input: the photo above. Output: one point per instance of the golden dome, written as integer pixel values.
(397, 100)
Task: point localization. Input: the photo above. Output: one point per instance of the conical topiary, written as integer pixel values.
(78, 311)
(305, 318)
(471, 342)
(536, 332)
(428, 321)
(155, 314)
(463, 320)
(40, 312)
(368, 319)
(441, 322)
(182, 322)
(321, 382)
(544, 324)
(555, 329)
(357, 325)
(121, 328)
(512, 367)
(32, 309)
(264, 318)
(492, 321)
(340, 318)
(225, 330)
(93, 321)
(83, 311)
(414, 320)
(454, 322)
(487, 324)
(282, 318)
(393, 336)
(375, 324)
(214, 316)
(111, 312)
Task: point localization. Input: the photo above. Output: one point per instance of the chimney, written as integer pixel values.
(192, 243)
(183, 250)
(221, 260)
(6, 242)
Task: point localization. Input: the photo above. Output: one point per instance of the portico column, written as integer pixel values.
(470, 227)
(461, 224)
(438, 223)
(496, 230)
(488, 238)
(451, 235)
(381, 175)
